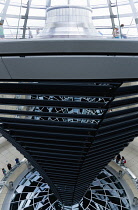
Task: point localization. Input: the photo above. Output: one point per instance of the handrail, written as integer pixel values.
(6, 177)
(130, 173)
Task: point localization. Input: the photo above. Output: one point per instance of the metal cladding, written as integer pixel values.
(69, 21)
(69, 130)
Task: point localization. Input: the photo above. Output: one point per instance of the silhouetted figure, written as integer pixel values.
(30, 33)
(9, 166)
(17, 161)
(118, 158)
(122, 35)
(123, 161)
(1, 31)
(4, 171)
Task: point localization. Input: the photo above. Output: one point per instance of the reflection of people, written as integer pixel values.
(30, 33)
(1, 31)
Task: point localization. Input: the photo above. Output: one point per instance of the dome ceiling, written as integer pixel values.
(18, 15)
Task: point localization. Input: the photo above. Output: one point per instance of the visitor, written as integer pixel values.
(4, 171)
(37, 31)
(1, 31)
(122, 35)
(17, 161)
(30, 33)
(117, 32)
(123, 161)
(118, 158)
(9, 166)
(100, 33)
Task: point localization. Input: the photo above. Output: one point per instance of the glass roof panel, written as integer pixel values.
(78, 2)
(100, 20)
(57, 3)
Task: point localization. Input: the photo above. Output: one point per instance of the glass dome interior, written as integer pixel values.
(19, 17)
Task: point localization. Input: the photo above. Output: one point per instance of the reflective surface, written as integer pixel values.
(105, 193)
(75, 111)
(33, 193)
(27, 18)
(69, 22)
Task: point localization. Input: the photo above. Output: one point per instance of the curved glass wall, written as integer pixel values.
(104, 193)
(27, 18)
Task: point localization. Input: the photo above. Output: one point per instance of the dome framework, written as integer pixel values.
(18, 15)
(68, 119)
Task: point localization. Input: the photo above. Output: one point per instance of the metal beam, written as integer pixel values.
(4, 11)
(48, 3)
(88, 3)
(26, 18)
(47, 144)
(111, 13)
(134, 12)
(61, 59)
(31, 160)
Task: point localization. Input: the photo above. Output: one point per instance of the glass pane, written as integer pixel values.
(90, 17)
(59, 2)
(78, 2)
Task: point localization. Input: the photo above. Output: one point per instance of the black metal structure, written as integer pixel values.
(69, 130)
(110, 195)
